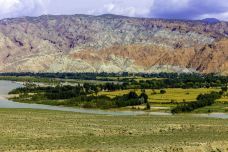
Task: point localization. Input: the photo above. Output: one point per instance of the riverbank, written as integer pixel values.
(33, 127)
(6, 86)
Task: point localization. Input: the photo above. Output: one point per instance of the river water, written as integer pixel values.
(7, 86)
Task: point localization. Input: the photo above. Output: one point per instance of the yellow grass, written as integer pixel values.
(54, 131)
(172, 94)
(224, 99)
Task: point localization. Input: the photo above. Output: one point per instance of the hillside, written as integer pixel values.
(109, 43)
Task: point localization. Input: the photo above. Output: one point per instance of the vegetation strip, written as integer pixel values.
(135, 91)
(203, 100)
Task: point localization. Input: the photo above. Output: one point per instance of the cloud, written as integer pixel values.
(125, 7)
(17, 8)
(173, 9)
(189, 9)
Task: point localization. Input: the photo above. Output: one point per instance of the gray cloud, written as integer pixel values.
(189, 9)
(178, 9)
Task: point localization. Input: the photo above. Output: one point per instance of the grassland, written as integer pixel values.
(171, 95)
(217, 107)
(33, 130)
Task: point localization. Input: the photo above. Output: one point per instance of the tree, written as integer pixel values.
(148, 106)
(144, 96)
(96, 90)
(153, 92)
(132, 95)
(143, 90)
(224, 89)
(162, 91)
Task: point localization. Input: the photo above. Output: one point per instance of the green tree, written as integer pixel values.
(162, 91)
(144, 96)
(132, 95)
(224, 89)
(148, 106)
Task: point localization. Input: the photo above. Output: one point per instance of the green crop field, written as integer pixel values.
(172, 94)
(34, 130)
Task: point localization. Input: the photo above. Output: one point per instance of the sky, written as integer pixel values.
(171, 9)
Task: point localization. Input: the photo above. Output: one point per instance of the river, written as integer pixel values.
(7, 86)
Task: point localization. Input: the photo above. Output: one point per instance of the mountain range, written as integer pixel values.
(112, 43)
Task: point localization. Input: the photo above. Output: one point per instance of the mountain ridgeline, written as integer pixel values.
(110, 43)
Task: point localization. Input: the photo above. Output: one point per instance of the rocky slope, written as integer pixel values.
(81, 43)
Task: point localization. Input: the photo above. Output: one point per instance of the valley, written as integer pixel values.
(95, 83)
(32, 122)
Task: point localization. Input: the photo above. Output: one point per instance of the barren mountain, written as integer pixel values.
(109, 43)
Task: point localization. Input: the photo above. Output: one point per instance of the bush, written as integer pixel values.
(132, 95)
(148, 106)
(202, 101)
(224, 89)
(144, 96)
(162, 91)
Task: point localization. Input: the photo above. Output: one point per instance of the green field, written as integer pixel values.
(172, 94)
(34, 130)
(217, 107)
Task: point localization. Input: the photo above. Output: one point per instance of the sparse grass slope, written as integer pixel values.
(28, 130)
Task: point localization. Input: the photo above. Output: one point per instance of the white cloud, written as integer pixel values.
(16, 8)
(179, 9)
(125, 7)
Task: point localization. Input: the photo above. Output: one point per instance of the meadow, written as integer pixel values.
(36, 130)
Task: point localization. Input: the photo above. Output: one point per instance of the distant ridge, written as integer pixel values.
(112, 43)
(211, 20)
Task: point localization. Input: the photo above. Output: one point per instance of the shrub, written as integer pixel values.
(148, 106)
(144, 96)
(202, 101)
(132, 95)
(162, 91)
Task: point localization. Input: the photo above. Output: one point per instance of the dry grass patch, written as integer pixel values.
(35, 130)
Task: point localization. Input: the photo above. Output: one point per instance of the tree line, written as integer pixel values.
(203, 100)
(84, 96)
